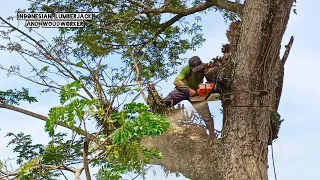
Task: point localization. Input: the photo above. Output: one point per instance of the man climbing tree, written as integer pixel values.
(186, 83)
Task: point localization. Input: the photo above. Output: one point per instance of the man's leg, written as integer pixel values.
(203, 109)
(174, 97)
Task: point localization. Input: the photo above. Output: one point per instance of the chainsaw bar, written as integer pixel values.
(212, 97)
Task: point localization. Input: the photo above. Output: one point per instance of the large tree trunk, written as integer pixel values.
(247, 116)
(241, 152)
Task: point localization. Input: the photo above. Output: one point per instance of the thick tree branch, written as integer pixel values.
(278, 75)
(41, 117)
(85, 153)
(227, 5)
(51, 167)
(77, 175)
(220, 4)
(85, 160)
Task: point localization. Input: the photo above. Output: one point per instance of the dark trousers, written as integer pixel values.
(176, 96)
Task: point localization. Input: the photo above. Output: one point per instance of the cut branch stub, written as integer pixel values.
(286, 53)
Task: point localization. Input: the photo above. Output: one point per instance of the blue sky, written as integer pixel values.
(298, 147)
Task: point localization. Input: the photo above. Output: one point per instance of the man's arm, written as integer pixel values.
(178, 81)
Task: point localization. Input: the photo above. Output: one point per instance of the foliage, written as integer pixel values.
(123, 158)
(28, 171)
(60, 150)
(158, 49)
(126, 154)
(69, 91)
(138, 122)
(24, 147)
(275, 121)
(32, 156)
(70, 113)
(13, 97)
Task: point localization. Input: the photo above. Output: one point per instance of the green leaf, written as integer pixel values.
(13, 97)
(79, 64)
(116, 154)
(69, 113)
(44, 69)
(69, 91)
(138, 123)
(26, 169)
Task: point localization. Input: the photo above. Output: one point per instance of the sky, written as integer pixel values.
(297, 150)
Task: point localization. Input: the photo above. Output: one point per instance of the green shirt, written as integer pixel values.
(193, 82)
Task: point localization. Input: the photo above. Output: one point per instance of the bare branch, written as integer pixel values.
(286, 53)
(42, 37)
(85, 160)
(41, 84)
(7, 174)
(49, 63)
(51, 167)
(85, 152)
(40, 166)
(136, 65)
(41, 77)
(95, 77)
(129, 75)
(73, 64)
(63, 175)
(77, 177)
(29, 79)
(48, 55)
(97, 73)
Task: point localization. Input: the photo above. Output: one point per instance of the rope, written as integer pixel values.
(274, 168)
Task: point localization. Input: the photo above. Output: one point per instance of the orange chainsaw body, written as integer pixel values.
(205, 88)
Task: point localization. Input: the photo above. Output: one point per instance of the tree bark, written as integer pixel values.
(255, 65)
(77, 175)
(85, 160)
(247, 116)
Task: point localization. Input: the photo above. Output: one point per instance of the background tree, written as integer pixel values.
(149, 43)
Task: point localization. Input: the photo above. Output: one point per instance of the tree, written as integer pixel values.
(150, 43)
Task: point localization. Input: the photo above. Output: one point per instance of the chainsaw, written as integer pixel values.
(207, 92)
